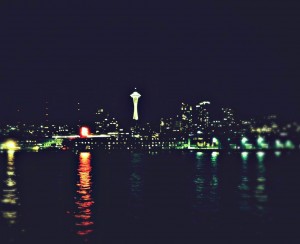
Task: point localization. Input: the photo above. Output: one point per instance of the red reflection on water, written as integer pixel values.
(84, 198)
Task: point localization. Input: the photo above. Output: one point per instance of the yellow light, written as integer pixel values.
(10, 145)
(35, 148)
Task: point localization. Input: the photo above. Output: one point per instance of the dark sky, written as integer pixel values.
(239, 54)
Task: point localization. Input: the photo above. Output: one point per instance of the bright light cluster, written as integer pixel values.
(9, 145)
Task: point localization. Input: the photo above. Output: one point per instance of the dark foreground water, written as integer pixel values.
(165, 197)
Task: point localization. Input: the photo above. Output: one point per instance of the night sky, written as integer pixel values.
(239, 54)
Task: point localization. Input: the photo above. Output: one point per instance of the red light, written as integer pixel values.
(84, 132)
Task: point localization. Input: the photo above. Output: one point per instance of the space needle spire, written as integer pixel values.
(135, 97)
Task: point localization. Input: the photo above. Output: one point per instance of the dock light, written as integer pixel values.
(260, 140)
(215, 140)
(278, 144)
(244, 140)
(35, 148)
(289, 144)
(10, 145)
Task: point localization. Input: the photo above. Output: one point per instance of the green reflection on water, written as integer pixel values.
(277, 153)
(260, 190)
(244, 183)
(244, 156)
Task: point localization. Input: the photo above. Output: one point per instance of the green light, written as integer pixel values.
(261, 143)
(214, 156)
(199, 155)
(260, 156)
(289, 144)
(260, 140)
(244, 156)
(244, 140)
(278, 144)
(277, 153)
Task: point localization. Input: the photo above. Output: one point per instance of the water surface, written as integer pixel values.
(155, 197)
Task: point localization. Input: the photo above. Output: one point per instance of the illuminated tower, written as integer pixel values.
(135, 97)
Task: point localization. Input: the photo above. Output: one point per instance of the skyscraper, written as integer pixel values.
(228, 117)
(202, 115)
(186, 118)
(135, 97)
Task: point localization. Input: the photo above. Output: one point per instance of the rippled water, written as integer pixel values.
(155, 197)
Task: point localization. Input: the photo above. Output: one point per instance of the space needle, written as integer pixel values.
(135, 97)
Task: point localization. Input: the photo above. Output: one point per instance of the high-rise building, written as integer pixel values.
(202, 116)
(101, 121)
(113, 125)
(186, 117)
(135, 97)
(230, 124)
(228, 117)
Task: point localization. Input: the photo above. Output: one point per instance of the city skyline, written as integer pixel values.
(81, 112)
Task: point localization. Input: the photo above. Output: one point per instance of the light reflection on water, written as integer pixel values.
(135, 177)
(213, 183)
(84, 199)
(206, 181)
(10, 192)
(244, 185)
(260, 190)
(199, 178)
(136, 184)
(251, 187)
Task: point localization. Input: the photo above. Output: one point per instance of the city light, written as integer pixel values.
(260, 140)
(278, 144)
(10, 145)
(244, 140)
(289, 144)
(195, 126)
(84, 132)
(215, 140)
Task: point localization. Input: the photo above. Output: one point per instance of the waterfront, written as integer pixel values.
(150, 197)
